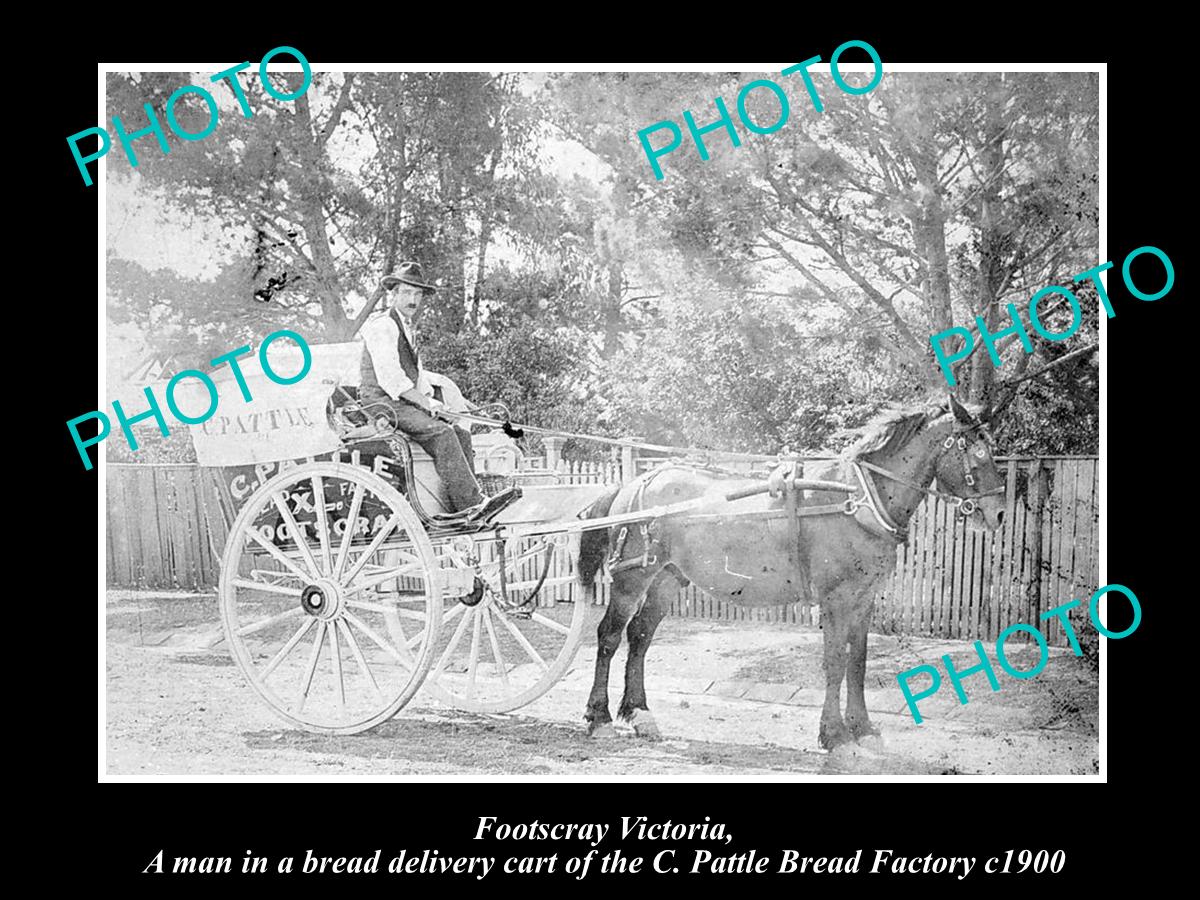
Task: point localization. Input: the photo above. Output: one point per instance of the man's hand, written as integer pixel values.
(412, 395)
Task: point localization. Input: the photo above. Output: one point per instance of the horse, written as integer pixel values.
(777, 547)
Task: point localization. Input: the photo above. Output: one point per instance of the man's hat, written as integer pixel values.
(410, 273)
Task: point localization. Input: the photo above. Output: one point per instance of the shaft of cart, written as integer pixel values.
(669, 509)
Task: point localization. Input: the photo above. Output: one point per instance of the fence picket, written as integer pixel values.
(165, 528)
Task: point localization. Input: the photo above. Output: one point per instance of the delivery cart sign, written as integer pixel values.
(282, 421)
(248, 403)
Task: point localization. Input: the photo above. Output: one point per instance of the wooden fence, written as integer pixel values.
(163, 527)
(953, 582)
(165, 530)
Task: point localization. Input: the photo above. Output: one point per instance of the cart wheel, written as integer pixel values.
(299, 603)
(499, 656)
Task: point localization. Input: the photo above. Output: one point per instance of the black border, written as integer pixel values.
(114, 832)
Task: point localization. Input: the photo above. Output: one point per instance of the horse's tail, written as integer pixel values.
(593, 545)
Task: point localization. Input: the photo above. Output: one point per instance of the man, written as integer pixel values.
(392, 375)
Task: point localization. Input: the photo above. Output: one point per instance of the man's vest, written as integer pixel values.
(404, 351)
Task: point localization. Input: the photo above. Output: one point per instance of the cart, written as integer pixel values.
(345, 587)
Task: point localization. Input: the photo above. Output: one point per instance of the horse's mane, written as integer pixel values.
(890, 429)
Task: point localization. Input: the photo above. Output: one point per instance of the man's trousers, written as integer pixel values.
(449, 446)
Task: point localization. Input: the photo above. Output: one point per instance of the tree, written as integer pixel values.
(325, 193)
(930, 200)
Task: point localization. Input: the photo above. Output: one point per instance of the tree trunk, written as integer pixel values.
(391, 219)
(932, 227)
(991, 243)
(312, 209)
(931, 224)
(485, 236)
(612, 309)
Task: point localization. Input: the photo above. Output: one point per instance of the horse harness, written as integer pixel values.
(653, 545)
(874, 504)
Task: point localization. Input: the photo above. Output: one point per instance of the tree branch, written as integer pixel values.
(335, 117)
(832, 296)
(1082, 351)
(1009, 388)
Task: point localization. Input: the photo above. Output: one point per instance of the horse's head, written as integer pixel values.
(965, 468)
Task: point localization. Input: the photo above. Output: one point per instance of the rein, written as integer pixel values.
(508, 426)
(964, 505)
(862, 469)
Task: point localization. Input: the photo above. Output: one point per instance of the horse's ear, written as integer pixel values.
(986, 416)
(960, 412)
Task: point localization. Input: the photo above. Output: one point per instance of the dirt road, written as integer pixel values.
(732, 698)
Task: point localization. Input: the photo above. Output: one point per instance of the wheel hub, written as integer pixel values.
(321, 599)
(477, 593)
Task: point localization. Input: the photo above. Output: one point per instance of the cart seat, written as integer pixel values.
(370, 433)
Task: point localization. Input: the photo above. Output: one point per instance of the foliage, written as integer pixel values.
(772, 296)
(891, 216)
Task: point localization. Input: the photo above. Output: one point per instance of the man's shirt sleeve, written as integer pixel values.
(380, 335)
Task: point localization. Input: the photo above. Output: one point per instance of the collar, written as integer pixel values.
(879, 518)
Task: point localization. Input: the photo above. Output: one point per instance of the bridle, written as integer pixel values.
(874, 503)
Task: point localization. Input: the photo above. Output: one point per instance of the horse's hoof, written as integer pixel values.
(644, 725)
(832, 738)
(603, 731)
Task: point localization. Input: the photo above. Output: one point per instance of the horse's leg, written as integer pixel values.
(836, 631)
(641, 632)
(624, 597)
(856, 670)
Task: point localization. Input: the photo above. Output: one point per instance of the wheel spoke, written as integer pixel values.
(511, 569)
(473, 665)
(337, 663)
(386, 530)
(277, 554)
(522, 640)
(383, 645)
(348, 634)
(267, 588)
(270, 576)
(550, 623)
(318, 484)
(268, 622)
(487, 620)
(351, 527)
(380, 578)
(458, 610)
(377, 579)
(301, 544)
(445, 657)
(396, 630)
(312, 667)
(287, 648)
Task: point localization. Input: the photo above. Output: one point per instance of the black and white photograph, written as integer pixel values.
(657, 422)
